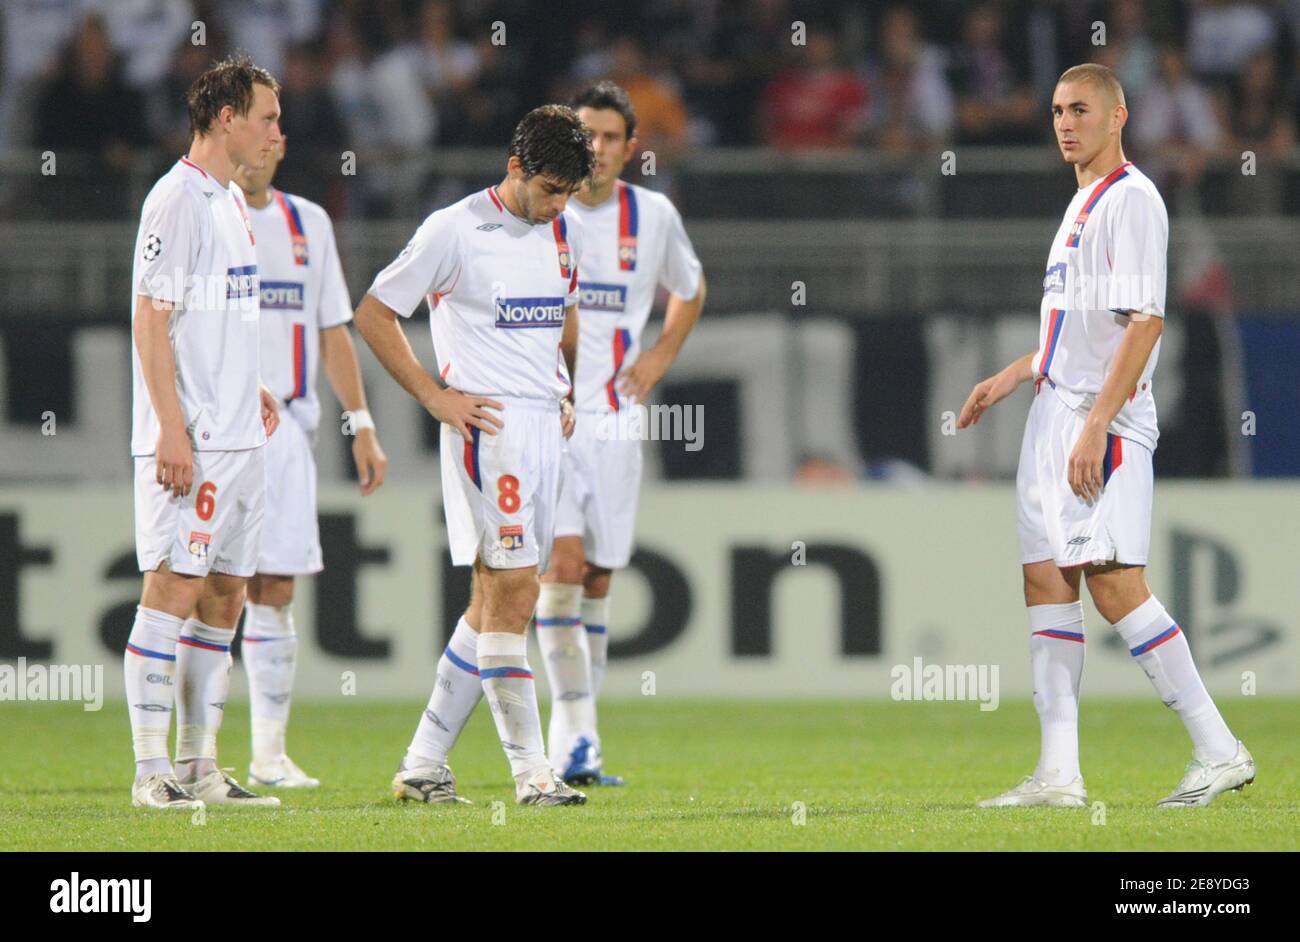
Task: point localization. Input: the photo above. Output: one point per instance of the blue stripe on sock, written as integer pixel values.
(145, 652)
(488, 673)
(595, 629)
(463, 664)
(1158, 640)
(559, 621)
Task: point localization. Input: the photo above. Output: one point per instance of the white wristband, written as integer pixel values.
(361, 420)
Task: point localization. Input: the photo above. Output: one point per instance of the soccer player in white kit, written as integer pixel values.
(499, 270)
(200, 420)
(634, 243)
(304, 324)
(1084, 483)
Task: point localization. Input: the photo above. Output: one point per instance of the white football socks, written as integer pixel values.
(456, 692)
(512, 696)
(1159, 646)
(1056, 649)
(563, 643)
(150, 669)
(270, 655)
(203, 681)
(595, 618)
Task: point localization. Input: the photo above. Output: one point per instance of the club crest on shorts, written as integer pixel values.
(199, 546)
(512, 536)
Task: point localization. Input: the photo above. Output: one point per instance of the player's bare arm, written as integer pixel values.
(1085, 467)
(569, 350)
(174, 457)
(339, 356)
(378, 324)
(994, 389)
(679, 320)
(270, 410)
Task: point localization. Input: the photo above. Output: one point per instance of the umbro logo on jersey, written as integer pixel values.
(530, 312)
(1078, 541)
(488, 226)
(598, 297)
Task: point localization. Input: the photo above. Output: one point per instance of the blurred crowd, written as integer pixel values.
(1203, 77)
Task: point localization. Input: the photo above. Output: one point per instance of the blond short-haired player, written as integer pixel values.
(1084, 482)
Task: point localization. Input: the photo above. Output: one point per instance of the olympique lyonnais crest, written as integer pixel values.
(299, 250)
(627, 250)
(1077, 229)
(199, 546)
(512, 537)
(564, 258)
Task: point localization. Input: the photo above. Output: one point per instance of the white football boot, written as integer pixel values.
(280, 772)
(433, 784)
(1205, 781)
(547, 788)
(1035, 793)
(218, 787)
(161, 790)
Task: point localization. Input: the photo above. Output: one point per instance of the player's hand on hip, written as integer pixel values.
(270, 411)
(568, 418)
(464, 412)
(371, 461)
(643, 375)
(174, 462)
(1085, 466)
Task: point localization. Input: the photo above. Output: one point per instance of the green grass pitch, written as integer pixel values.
(869, 775)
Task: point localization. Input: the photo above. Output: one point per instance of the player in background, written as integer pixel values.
(634, 243)
(1085, 478)
(200, 420)
(500, 272)
(305, 313)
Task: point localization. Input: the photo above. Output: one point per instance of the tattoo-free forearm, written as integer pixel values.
(341, 367)
(679, 320)
(153, 343)
(1130, 360)
(569, 341)
(377, 324)
(1022, 368)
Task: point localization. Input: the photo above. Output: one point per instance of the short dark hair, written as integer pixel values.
(228, 82)
(551, 140)
(605, 94)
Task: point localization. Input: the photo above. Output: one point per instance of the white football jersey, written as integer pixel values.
(303, 293)
(1108, 257)
(635, 241)
(497, 289)
(195, 248)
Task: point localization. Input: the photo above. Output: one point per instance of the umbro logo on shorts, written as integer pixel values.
(488, 226)
(1078, 541)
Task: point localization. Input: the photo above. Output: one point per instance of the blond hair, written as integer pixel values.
(1098, 75)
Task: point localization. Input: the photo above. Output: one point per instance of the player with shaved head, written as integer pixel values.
(1084, 483)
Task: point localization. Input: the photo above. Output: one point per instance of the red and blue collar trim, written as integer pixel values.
(1076, 231)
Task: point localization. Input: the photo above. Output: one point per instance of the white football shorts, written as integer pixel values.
(215, 528)
(499, 492)
(602, 481)
(1054, 523)
(290, 530)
